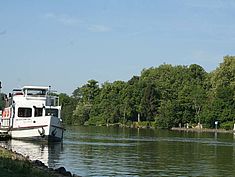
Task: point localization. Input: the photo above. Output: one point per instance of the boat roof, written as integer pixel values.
(36, 87)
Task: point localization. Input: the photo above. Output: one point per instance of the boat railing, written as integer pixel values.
(50, 98)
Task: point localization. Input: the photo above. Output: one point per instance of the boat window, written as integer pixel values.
(24, 112)
(52, 112)
(36, 92)
(38, 112)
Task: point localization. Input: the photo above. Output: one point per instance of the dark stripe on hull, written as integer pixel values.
(29, 127)
(23, 128)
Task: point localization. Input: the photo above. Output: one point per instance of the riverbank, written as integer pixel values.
(13, 164)
(202, 130)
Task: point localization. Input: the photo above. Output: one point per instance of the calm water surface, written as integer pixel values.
(102, 151)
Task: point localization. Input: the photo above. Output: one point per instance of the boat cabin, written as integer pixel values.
(32, 112)
(30, 102)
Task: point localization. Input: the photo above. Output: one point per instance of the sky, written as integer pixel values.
(65, 43)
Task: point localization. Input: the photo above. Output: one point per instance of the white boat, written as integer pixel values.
(32, 112)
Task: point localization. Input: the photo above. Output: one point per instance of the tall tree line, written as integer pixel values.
(168, 95)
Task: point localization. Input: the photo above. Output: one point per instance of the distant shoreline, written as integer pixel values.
(202, 130)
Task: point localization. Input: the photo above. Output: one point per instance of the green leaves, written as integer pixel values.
(170, 95)
(81, 113)
(68, 106)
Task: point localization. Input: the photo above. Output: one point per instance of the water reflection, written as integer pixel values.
(48, 153)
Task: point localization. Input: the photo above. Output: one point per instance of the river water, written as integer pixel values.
(109, 151)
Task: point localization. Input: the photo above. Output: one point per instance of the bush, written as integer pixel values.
(95, 121)
(227, 125)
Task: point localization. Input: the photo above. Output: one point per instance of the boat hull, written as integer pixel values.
(50, 130)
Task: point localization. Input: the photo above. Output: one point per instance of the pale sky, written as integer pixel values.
(65, 43)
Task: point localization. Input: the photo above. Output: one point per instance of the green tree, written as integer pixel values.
(169, 94)
(110, 102)
(224, 75)
(221, 103)
(132, 98)
(85, 96)
(82, 113)
(89, 91)
(68, 105)
(167, 114)
(150, 102)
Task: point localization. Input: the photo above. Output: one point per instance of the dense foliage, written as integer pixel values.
(168, 95)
